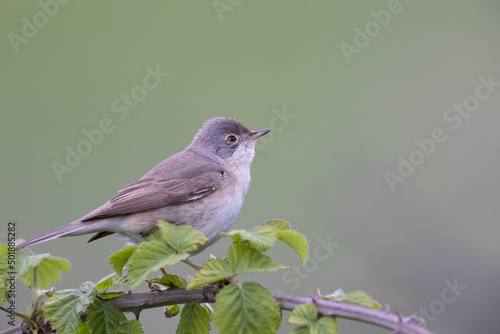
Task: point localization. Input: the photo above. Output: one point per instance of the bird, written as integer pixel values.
(203, 186)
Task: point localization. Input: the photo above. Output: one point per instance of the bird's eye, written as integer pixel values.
(231, 139)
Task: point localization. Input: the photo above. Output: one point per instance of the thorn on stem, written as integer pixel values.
(136, 313)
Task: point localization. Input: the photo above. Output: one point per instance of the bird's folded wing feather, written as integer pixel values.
(152, 192)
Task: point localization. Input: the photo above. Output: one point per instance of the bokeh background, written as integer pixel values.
(348, 119)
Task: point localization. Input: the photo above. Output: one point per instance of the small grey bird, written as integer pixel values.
(203, 186)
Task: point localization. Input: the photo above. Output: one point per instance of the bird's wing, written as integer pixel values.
(152, 192)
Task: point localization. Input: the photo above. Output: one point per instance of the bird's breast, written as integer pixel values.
(223, 206)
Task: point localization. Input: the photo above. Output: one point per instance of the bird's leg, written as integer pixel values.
(189, 262)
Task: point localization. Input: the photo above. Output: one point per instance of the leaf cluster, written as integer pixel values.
(238, 308)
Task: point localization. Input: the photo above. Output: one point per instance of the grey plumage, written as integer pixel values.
(203, 186)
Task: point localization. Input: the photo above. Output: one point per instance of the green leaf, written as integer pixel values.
(171, 311)
(297, 241)
(278, 224)
(26, 260)
(3, 289)
(110, 295)
(84, 328)
(119, 259)
(244, 259)
(122, 279)
(48, 271)
(106, 282)
(356, 297)
(305, 314)
(4, 249)
(208, 308)
(325, 325)
(294, 239)
(107, 319)
(21, 261)
(20, 257)
(261, 238)
(150, 256)
(48, 267)
(361, 298)
(212, 271)
(64, 307)
(181, 238)
(301, 330)
(171, 281)
(248, 308)
(131, 327)
(194, 320)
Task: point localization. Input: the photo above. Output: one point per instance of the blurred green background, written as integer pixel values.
(349, 119)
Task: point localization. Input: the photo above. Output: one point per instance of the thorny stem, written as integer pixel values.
(136, 302)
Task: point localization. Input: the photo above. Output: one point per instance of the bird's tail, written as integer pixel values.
(74, 228)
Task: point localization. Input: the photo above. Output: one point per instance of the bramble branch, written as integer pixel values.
(385, 319)
(139, 301)
(136, 302)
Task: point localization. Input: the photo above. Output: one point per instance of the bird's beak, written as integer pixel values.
(256, 134)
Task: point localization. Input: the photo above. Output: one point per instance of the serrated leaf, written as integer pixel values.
(244, 259)
(110, 295)
(208, 308)
(119, 259)
(325, 325)
(278, 224)
(122, 279)
(297, 241)
(248, 308)
(155, 236)
(107, 319)
(48, 271)
(305, 314)
(106, 282)
(171, 311)
(261, 238)
(131, 327)
(181, 238)
(24, 260)
(171, 281)
(212, 271)
(301, 330)
(150, 256)
(194, 320)
(84, 328)
(360, 298)
(63, 308)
